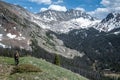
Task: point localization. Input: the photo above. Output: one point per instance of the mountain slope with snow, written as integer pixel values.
(111, 22)
(63, 22)
(53, 15)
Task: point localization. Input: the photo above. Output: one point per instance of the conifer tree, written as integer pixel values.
(57, 60)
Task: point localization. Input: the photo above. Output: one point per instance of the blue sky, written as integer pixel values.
(96, 8)
(88, 5)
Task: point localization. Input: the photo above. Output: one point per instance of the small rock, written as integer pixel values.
(36, 78)
(0, 65)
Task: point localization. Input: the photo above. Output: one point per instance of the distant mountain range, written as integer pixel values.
(63, 22)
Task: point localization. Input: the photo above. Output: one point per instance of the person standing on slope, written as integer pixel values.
(16, 58)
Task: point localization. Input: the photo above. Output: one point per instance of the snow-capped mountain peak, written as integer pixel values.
(112, 16)
(112, 21)
(60, 21)
(63, 16)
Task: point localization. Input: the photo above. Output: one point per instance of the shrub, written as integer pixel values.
(25, 68)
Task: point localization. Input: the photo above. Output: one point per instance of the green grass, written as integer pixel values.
(49, 71)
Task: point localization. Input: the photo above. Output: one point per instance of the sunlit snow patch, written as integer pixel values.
(2, 45)
(11, 36)
(85, 23)
(14, 28)
(1, 35)
(20, 38)
(5, 29)
(116, 33)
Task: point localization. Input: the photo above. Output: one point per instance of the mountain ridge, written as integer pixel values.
(64, 16)
(63, 22)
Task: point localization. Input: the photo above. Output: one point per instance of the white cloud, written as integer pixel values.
(58, 2)
(99, 13)
(31, 7)
(43, 9)
(25, 7)
(57, 8)
(79, 8)
(105, 2)
(35, 12)
(42, 1)
(15, 3)
(117, 9)
(54, 7)
(110, 3)
(109, 6)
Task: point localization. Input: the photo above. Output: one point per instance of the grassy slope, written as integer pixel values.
(49, 71)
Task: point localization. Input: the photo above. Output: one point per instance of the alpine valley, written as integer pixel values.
(85, 45)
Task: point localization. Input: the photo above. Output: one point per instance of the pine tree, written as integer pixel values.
(57, 60)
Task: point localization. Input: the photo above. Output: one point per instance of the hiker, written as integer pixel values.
(16, 58)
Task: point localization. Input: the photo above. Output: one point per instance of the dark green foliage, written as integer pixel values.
(49, 38)
(49, 35)
(34, 44)
(115, 67)
(7, 52)
(100, 46)
(49, 42)
(57, 60)
(110, 78)
(25, 68)
(107, 78)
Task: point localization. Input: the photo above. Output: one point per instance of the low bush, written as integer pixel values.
(25, 68)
